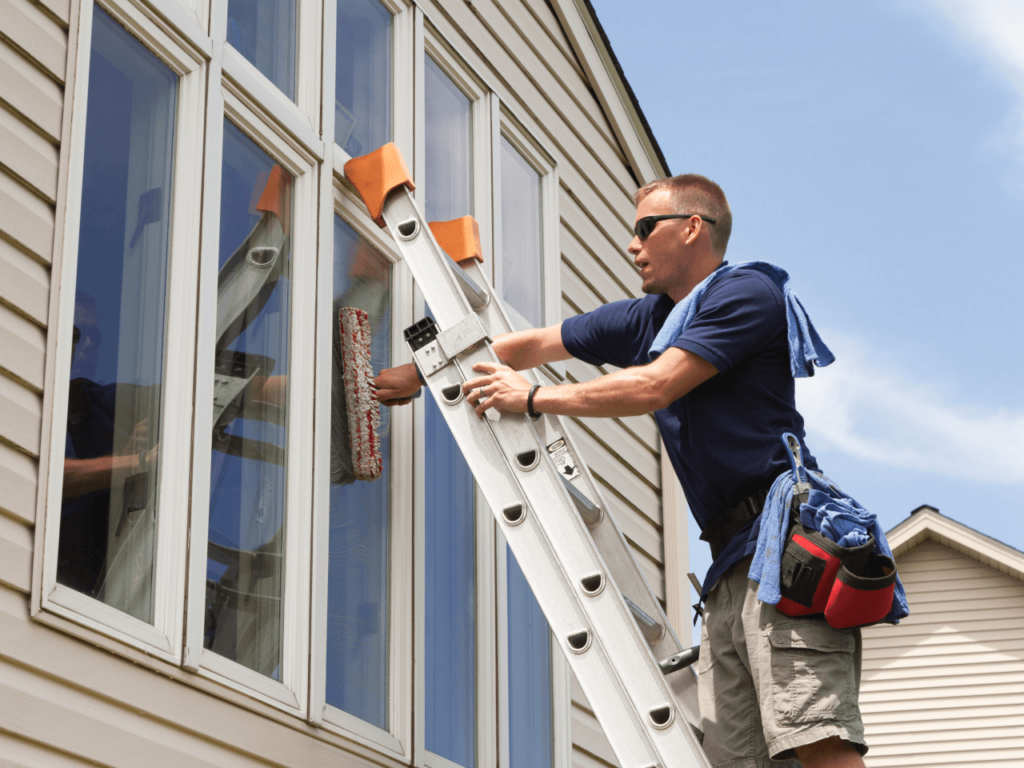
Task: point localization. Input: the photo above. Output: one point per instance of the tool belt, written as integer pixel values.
(727, 523)
(851, 586)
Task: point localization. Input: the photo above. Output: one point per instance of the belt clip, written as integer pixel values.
(698, 607)
(801, 488)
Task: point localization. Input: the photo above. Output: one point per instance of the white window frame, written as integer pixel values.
(431, 43)
(291, 693)
(396, 740)
(403, 45)
(162, 639)
(542, 161)
(302, 116)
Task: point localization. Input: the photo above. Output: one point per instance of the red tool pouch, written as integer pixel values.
(863, 595)
(810, 565)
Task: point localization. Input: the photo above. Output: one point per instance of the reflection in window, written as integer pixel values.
(357, 594)
(108, 510)
(529, 676)
(521, 254)
(245, 568)
(450, 616)
(264, 32)
(362, 91)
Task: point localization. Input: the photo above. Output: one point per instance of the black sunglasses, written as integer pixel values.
(645, 226)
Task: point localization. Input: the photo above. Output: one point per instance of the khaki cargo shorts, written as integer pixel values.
(768, 682)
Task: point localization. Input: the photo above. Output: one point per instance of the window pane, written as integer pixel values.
(245, 568)
(108, 512)
(529, 676)
(450, 538)
(264, 31)
(521, 262)
(357, 593)
(449, 147)
(362, 91)
(450, 623)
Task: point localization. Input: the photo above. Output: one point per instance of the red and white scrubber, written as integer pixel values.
(363, 408)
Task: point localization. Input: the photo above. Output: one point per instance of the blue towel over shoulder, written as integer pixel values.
(806, 349)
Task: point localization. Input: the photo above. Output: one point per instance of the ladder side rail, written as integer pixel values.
(608, 537)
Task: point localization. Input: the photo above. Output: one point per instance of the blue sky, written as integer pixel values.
(876, 151)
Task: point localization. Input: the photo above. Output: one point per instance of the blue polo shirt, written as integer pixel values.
(724, 437)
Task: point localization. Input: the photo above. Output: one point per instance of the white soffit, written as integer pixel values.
(596, 59)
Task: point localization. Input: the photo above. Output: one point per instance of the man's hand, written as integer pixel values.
(396, 386)
(502, 388)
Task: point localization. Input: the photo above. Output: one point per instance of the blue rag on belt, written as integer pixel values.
(829, 511)
(806, 349)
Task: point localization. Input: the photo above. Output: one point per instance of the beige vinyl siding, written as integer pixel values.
(946, 686)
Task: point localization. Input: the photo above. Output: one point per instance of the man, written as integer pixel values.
(770, 686)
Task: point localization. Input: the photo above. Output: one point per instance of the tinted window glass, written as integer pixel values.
(245, 556)
(264, 32)
(362, 117)
(521, 255)
(357, 594)
(450, 620)
(529, 675)
(109, 509)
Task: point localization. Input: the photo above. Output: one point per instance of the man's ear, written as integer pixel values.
(694, 225)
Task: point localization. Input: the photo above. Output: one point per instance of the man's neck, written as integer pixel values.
(694, 280)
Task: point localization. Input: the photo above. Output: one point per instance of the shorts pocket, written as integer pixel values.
(812, 670)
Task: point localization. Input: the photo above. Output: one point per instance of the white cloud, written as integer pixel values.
(884, 416)
(995, 28)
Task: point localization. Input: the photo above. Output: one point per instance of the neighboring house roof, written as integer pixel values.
(927, 523)
(589, 41)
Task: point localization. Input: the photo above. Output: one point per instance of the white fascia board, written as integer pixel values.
(926, 524)
(611, 91)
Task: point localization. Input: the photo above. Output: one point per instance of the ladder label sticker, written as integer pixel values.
(564, 462)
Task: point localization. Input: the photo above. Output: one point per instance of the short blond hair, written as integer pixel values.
(693, 193)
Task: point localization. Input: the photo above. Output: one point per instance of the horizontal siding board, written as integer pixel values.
(17, 493)
(24, 283)
(186, 716)
(22, 349)
(30, 93)
(60, 10)
(594, 273)
(950, 679)
(574, 82)
(581, 759)
(28, 156)
(620, 442)
(631, 488)
(20, 416)
(15, 554)
(545, 15)
(36, 34)
(644, 427)
(588, 736)
(607, 241)
(25, 219)
(636, 528)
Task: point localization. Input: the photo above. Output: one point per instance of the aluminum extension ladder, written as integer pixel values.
(608, 623)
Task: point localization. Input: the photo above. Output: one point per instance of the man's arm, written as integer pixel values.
(519, 351)
(629, 392)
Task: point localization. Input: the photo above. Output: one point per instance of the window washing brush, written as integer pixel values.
(361, 406)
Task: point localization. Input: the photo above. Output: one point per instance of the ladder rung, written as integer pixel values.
(589, 511)
(652, 630)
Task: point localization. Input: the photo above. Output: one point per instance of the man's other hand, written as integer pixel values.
(396, 386)
(502, 388)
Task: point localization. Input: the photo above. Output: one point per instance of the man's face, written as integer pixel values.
(661, 257)
(85, 352)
